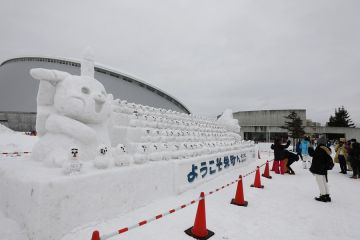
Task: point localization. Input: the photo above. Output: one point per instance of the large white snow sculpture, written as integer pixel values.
(71, 111)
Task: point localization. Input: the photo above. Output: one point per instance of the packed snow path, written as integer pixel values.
(285, 209)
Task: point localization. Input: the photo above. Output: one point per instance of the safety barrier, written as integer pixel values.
(13, 154)
(96, 235)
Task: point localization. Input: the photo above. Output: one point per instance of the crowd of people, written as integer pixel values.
(347, 154)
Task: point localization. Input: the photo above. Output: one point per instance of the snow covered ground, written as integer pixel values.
(284, 209)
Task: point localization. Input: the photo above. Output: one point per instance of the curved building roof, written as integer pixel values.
(18, 89)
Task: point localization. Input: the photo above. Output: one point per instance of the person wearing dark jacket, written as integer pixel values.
(321, 159)
(354, 154)
(279, 155)
(291, 158)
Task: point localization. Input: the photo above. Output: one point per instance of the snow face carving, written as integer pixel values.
(72, 110)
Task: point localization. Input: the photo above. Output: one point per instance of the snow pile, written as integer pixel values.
(16, 142)
(4, 129)
(10, 229)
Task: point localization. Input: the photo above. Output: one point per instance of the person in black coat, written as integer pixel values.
(279, 155)
(291, 158)
(354, 154)
(321, 163)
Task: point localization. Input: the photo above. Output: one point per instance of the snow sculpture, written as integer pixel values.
(166, 154)
(228, 122)
(121, 156)
(155, 154)
(141, 155)
(72, 166)
(174, 151)
(103, 160)
(71, 111)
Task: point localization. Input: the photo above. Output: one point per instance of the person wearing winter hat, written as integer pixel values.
(321, 163)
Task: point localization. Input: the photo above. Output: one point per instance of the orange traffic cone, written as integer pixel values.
(273, 166)
(257, 181)
(239, 197)
(266, 171)
(199, 230)
(95, 235)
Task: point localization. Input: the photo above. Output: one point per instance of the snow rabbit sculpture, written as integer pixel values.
(71, 110)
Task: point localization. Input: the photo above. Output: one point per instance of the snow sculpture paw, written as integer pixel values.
(55, 159)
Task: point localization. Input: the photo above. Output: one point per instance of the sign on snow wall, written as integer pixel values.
(190, 173)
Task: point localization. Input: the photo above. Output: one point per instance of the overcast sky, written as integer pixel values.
(210, 55)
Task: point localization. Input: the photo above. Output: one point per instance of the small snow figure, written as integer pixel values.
(73, 165)
(121, 157)
(74, 152)
(102, 161)
(166, 154)
(155, 154)
(140, 156)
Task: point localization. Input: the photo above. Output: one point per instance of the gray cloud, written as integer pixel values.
(210, 54)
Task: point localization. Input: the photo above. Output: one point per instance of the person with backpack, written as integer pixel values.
(321, 163)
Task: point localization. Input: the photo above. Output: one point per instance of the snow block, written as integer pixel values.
(49, 204)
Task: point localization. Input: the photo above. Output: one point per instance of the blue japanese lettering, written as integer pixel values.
(219, 164)
(212, 171)
(203, 169)
(226, 162)
(193, 174)
(232, 159)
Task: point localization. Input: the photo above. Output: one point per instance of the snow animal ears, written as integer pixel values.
(48, 80)
(51, 76)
